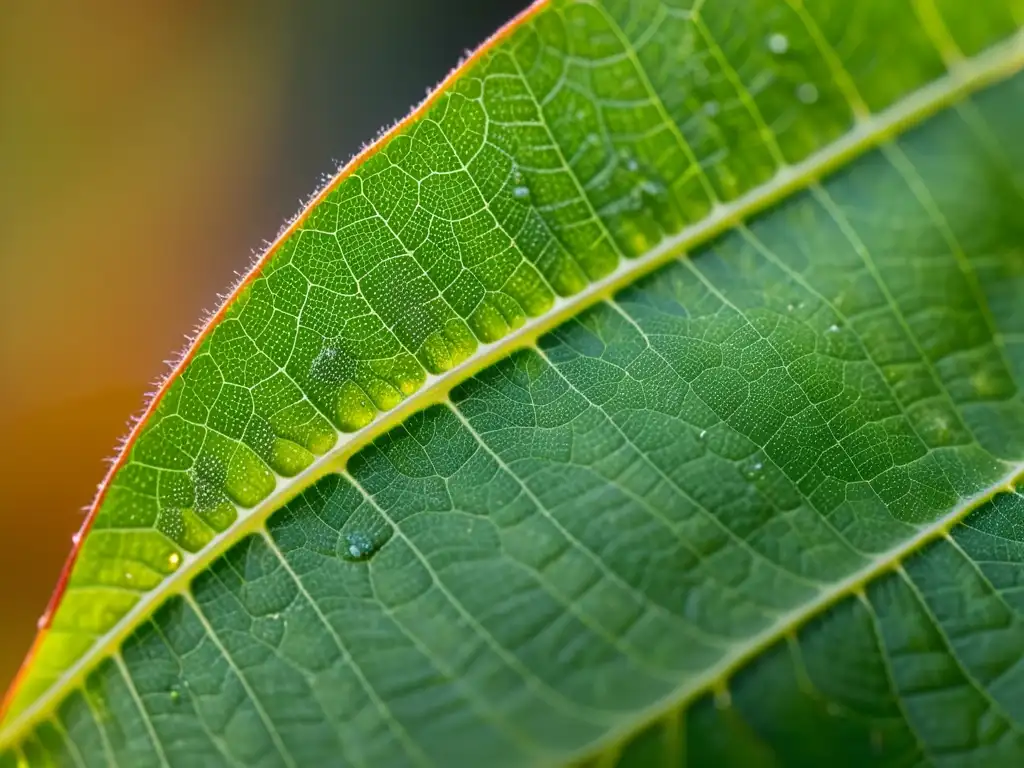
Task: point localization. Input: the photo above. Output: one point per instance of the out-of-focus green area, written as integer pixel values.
(145, 150)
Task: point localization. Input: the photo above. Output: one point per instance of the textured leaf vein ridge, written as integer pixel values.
(966, 76)
(891, 560)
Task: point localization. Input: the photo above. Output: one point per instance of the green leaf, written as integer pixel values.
(651, 396)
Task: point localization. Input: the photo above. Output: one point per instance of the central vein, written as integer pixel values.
(966, 77)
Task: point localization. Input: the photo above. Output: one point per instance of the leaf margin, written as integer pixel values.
(965, 76)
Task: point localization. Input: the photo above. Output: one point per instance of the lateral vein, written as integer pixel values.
(965, 77)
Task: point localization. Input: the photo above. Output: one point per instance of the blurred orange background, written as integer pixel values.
(146, 150)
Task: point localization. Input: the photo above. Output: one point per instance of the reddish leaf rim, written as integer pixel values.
(210, 323)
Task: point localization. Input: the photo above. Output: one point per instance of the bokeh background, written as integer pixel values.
(146, 150)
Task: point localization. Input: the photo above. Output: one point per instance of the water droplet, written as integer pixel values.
(790, 307)
(807, 93)
(778, 43)
(711, 108)
(174, 560)
(652, 188)
(358, 546)
(703, 435)
(76, 538)
(128, 576)
(175, 695)
(834, 328)
(520, 193)
(753, 470)
(632, 165)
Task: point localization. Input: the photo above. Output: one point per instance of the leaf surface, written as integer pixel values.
(652, 395)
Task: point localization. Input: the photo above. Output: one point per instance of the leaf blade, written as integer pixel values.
(1012, 66)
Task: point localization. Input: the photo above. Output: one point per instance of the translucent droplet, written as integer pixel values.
(790, 307)
(358, 546)
(76, 538)
(652, 188)
(778, 43)
(807, 93)
(632, 165)
(520, 193)
(175, 695)
(174, 560)
(703, 435)
(753, 470)
(834, 328)
(711, 108)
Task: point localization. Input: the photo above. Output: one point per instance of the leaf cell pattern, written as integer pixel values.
(762, 506)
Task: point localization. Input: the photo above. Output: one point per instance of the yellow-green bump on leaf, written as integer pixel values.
(650, 396)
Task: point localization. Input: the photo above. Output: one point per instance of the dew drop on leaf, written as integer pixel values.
(174, 560)
(778, 43)
(520, 193)
(807, 93)
(358, 546)
(175, 695)
(711, 108)
(752, 470)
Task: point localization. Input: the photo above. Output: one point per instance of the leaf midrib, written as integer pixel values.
(963, 78)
